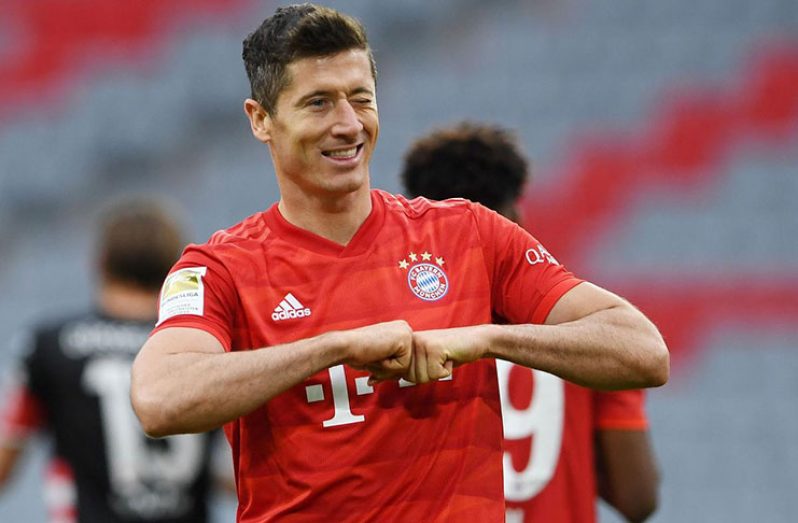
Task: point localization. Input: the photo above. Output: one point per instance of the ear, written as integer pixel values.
(259, 120)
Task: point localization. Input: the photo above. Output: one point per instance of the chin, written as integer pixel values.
(348, 183)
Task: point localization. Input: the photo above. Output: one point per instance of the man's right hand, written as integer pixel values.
(385, 350)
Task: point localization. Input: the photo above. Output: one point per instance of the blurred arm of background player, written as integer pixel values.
(19, 419)
(9, 456)
(484, 164)
(8, 460)
(626, 472)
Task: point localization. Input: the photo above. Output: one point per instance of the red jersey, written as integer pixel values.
(550, 427)
(334, 447)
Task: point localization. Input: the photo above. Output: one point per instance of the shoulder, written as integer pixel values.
(226, 246)
(251, 228)
(52, 327)
(451, 214)
(454, 218)
(91, 333)
(45, 336)
(419, 207)
(226, 257)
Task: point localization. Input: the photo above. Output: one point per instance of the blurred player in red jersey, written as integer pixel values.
(73, 384)
(344, 336)
(560, 438)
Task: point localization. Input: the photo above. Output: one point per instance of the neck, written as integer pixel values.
(127, 302)
(336, 219)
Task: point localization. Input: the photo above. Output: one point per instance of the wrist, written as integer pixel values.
(490, 336)
(335, 348)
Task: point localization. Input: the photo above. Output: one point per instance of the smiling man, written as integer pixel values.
(344, 337)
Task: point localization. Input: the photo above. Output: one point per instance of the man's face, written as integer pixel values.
(325, 126)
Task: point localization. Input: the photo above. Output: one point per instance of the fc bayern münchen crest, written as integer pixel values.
(426, 279)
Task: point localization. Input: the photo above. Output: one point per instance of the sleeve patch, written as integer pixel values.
(539, 254)
(183, 293)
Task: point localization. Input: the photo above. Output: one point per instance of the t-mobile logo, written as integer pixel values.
(343, 414)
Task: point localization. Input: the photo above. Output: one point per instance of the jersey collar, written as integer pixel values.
(360, 243)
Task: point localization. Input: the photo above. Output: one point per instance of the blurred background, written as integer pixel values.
(664, 139)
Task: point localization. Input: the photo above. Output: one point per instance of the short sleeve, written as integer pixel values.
(621, 410)
(527, 280)
(199, 293)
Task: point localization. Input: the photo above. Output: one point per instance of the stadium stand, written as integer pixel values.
(662, 134)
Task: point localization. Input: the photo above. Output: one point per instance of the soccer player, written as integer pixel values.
(343, 336)
(560, 438)
(73, 383)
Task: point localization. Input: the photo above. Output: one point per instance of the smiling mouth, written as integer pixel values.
(344, 154)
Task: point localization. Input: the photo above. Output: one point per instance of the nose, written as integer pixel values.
(347, 122)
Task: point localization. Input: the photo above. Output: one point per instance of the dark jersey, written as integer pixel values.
(77, 374)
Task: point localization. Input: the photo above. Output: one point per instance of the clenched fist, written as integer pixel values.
(436, 352)
(383, 349)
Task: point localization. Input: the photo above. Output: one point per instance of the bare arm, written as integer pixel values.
(184, 381)
(22, 415)
(592, 337)
(9, 457)
(627, 473)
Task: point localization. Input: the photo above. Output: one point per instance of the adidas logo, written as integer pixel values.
(290, 308)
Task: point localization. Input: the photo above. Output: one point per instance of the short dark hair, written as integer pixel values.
(139, 242)
(291, 33)
(480, 162)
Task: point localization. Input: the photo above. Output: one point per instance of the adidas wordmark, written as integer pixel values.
(290, 308)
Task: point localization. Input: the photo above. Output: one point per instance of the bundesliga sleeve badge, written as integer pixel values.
(426, 278)
(182, 293)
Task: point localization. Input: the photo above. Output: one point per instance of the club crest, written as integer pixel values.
(426, 277)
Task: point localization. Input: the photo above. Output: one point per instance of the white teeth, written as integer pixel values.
(345, 153)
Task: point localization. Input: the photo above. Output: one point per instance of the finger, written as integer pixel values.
(379, 376)
(449, 365)
(421, 363)
(437, 369)
(394, 364)
(404, 352)
(373, 380)
(387, 369)
(374, 366)
(410, 373)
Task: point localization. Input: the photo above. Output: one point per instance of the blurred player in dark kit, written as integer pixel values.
(73, 383)
(563, 442)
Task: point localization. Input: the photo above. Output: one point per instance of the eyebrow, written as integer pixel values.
(323, 92)
(363, 90)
